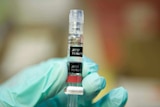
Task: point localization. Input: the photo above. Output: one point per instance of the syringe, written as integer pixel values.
(75, 54)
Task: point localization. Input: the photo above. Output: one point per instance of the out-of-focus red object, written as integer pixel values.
(109, 16)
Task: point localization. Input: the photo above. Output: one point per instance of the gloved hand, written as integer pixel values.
(42, 86)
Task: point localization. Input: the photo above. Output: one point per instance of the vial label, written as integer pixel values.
(76, 51)
(75, 67)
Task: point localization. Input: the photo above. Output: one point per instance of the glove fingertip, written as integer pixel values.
(119, 96)
(115, 98)
(89, 66)
(93, 83)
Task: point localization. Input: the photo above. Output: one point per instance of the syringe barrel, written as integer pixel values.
(75, 51)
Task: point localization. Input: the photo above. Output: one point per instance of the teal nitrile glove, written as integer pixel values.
(42, 86)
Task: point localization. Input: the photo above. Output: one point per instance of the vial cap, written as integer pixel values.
(76, 16)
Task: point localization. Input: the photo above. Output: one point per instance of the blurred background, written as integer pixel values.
(122, 36)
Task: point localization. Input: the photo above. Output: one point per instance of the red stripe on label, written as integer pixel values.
(74, 79)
